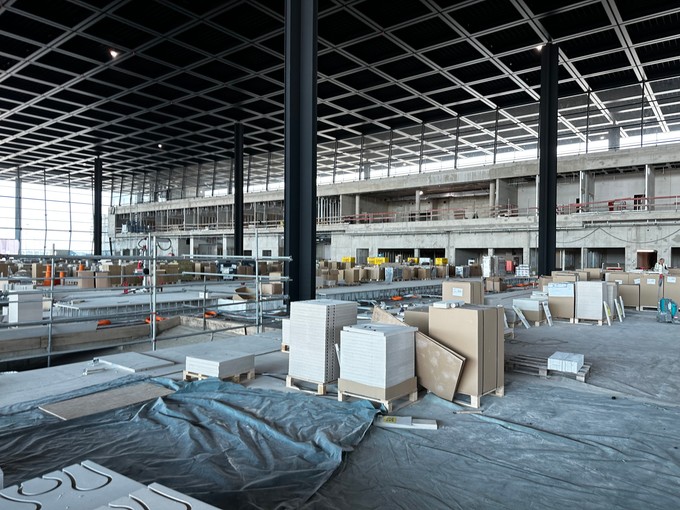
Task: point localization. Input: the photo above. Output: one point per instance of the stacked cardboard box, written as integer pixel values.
(86, 279)
(477, 336)
(271, 288)
(469, 291)
(495, 284)
(418, 318)
(315, 328)
(532, 308)
(589, 299)
(376, 360)
(561, 299)
(651, 288)
(671, 288)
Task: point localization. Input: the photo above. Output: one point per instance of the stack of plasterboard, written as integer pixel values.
(566, 362)
(532, 308)
(222, 368)
(315, 328)
(377, 355)
(589, 299)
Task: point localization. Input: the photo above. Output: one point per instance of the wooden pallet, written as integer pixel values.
(389, 404)
(474, 401)
(534, 365)
(321, 388)
(193, 376)
(589, 321)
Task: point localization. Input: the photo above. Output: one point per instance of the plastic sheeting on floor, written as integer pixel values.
(227, 445)
(541, 446)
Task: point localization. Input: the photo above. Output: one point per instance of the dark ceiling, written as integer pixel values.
(187, 70)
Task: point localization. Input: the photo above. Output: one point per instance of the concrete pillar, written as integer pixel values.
(497, 194)
(584, 257)
(357, 205)
(537, 194)
(587, 189)
(650, 191)
(416, 252)
(417, 199)
(492, 198)
(224, 245)
(191, 245)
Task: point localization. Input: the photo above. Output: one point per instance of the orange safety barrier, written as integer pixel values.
(104, 322)
(158, 318)
(210, 314)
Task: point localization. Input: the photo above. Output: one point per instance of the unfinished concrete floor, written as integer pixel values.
(549, 443)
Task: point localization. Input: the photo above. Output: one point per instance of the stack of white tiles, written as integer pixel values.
(566, 362)
(227, 366)
(589, 298)
(315, 328)
(377, 355)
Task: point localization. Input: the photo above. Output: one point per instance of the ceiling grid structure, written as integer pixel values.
(408, 77)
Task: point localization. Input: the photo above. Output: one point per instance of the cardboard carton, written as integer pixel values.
(671, 287)
(495, 284)
(651, 289)
(561, 300)
(619, 277)
(419, 318)
(271, 288)
(478, 336)
(468, 291)
(630, 294)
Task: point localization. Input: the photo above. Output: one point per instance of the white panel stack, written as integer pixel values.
(612, 296)
(522, 270)
(589, 298)
(221, 368)
(566, 362)
(25, 307)
(377, 355)
(315, 328)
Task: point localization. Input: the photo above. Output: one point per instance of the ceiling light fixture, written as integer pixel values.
(539, 47)
(114, 53)
(160, 145)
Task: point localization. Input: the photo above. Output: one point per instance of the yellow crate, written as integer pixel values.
(413, 260)
(376, 261)
(441, 261)
(351, 260)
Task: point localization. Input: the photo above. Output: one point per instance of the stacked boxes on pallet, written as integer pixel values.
(377, 360)
(315, 327)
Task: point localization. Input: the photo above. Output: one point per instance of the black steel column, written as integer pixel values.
(300, 147)
(98, 181)
(547, 161)
(238, 189)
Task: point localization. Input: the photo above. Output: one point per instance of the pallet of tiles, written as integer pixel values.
(315, 327)
(227, 368)
(377, 362)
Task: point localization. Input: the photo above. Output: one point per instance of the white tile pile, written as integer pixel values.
(522, 270)
(226, 366)
(89, 486)
(566, 362)
(377, 355)
(315, 327)
(589, 298)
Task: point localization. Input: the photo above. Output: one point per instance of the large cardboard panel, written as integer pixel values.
(671, 288)
(617, 276)
(630, 295)
(468, 291)
(651, 289)
(467, 338)
(418, 318)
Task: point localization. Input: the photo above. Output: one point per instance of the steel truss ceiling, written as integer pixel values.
(399, 78)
